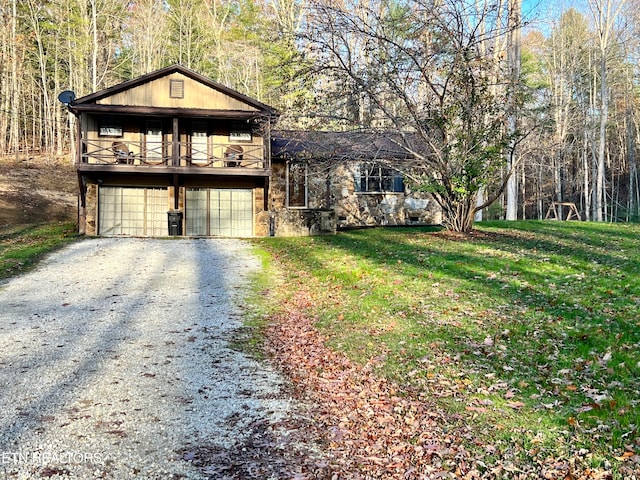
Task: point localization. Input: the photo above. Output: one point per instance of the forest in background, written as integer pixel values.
(574, 96)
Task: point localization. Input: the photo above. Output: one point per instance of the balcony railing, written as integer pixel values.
(161, 154)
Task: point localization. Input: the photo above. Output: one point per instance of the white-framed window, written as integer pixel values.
(199, 150)
(153, 141)
(371, 177)
(297, 175)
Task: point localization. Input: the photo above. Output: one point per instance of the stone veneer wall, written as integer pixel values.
(334, 203)
(91, 211)
(361, 209)
(261, 217)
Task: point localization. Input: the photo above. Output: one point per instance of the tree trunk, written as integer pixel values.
(592, 149)
(558, 180)
(513, 55)
(94, 46)
(604, 112)
(632, 206)
(5, 41)
(604, 15)
(478, 215)
(14, 133)
(585, 169)
(458, 215)
(540, 193)
(634, 187)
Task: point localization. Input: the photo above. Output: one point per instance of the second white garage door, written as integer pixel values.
(224, 212)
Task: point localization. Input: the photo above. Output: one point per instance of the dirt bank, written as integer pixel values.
(34, 191)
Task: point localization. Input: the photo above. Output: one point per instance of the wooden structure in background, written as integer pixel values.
(555, 207)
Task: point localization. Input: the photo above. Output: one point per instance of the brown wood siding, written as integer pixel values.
(101, 147)
(157, 94)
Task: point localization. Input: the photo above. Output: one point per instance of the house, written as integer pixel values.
(173, 141)
(323, 181)
(175, 153)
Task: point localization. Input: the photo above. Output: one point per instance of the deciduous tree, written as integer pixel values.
(605, 14)
(421, 73)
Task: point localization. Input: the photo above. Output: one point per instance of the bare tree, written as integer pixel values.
(42, 78)
(421, 73)
(568, 75)
(283, 88)
(514, 61)
(604, 15)
(191, 36)
(9, 85)
(146, 36)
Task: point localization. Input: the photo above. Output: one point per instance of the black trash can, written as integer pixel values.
(175, 223)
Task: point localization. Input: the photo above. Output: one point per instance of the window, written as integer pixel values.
(199, 152)
(238, 136)
(110, 130)
(154, 141)
(376, 178)
(296, 184)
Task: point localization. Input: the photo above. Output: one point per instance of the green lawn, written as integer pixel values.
(21, 247)
(528, 332)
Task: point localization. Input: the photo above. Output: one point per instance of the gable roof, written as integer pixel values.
(100, 100)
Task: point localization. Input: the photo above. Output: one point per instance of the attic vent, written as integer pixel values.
(176, 88)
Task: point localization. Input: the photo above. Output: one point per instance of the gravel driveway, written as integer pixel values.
(115, 362)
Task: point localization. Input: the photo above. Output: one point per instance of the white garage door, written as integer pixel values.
(224, 212)
(133, 211)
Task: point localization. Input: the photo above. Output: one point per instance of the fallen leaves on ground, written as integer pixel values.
(271, 451)
(375, 429)
(372, 429)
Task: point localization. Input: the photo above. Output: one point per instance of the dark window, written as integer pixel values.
(297, 185)
(377, 178)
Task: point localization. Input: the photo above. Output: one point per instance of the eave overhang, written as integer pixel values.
(166, 112)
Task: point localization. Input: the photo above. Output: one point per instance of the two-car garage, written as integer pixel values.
(142, 211)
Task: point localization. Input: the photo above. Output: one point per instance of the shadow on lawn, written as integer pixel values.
(557, 298)
(594, 263)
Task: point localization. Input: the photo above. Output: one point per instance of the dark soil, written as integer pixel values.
(36, 191)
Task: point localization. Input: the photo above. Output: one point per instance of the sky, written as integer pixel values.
(542, 13)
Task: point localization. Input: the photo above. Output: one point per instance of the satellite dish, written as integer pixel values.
(67, 97)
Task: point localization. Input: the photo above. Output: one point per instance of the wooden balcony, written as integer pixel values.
(230, 159)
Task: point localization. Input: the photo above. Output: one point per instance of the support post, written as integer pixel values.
(175, 137)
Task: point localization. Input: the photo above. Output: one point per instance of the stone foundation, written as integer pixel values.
(302, 222)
